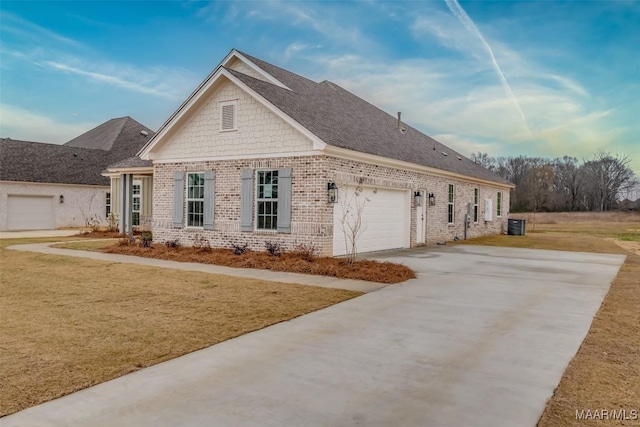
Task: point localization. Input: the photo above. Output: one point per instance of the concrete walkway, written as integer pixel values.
(274, 276)
(481, 338)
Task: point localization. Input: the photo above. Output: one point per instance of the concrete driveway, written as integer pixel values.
(480, 338)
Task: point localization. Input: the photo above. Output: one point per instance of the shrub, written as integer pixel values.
(145, 239)
(172, 244)
(239, 249)
(306, 251)
(112, 222)
(274, 248)
(94, 223)
(201, 243)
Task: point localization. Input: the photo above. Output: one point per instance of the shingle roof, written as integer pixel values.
(131, 162)
(344, 120)
(79, 161)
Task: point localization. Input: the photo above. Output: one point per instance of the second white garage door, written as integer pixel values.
(385, 220)
(30, 212)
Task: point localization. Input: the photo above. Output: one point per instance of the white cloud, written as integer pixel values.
(29, 31)
(442, 98)
(32, 126)
(156, 81)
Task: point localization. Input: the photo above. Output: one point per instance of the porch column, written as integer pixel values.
(126, 204)
(129, 212)
(122, 204)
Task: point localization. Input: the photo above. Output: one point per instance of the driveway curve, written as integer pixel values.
(480, 338)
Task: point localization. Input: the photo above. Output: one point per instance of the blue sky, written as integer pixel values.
(537, 78)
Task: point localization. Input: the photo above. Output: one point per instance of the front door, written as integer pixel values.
(421, 217)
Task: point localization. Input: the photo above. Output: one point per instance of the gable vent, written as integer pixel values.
(228, 115)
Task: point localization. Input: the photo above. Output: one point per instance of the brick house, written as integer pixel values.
(259, 153)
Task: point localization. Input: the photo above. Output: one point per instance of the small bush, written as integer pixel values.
(201, 243)
(112, 222)
(239, 249)
(94, 224)
(274, 248)
(145, 239)
(172, 244)
(306, 251)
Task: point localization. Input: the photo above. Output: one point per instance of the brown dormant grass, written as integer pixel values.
(605, 373)
(573, 217)
(69, 323)
(373, 271)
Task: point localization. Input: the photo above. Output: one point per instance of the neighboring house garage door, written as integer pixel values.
(30, 213)
(385, 219)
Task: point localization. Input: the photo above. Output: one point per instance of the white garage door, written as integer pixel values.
(385, 219)
(30, 213)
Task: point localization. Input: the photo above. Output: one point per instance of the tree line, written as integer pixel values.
(564, 183)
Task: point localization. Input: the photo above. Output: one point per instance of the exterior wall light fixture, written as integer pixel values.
(417, 196)
(332, 189)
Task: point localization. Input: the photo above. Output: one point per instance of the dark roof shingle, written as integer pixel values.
(342, 119)
(79, 161)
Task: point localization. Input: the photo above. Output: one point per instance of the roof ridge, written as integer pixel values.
(260, 63)
(69, 147)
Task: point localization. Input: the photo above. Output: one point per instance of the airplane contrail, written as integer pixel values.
(462, 16)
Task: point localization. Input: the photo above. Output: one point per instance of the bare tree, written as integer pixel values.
(352, 204)
(569, 183)
(607, 176)
(484, 160)
(538, 181)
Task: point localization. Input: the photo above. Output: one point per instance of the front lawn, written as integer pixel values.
(68, 323)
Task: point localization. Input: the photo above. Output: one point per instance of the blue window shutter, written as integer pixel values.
(209, 199)
(246, 199)
(178, 199)
(284, 200)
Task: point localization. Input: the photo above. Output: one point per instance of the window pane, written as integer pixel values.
(261, 222)
(260, 208)
(267, 191)
(267, 222)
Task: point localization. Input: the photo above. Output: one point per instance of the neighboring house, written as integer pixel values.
(256, 153)
(46, 186)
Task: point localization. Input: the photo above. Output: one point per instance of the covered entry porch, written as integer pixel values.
(131, 195)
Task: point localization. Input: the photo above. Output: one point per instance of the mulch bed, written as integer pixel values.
(373, 271)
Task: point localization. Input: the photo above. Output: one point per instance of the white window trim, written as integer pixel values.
(499, 204)
(222, 104)
(255, 205)
(133, 196)
(476, 205)
(108, 203)
(186, 202)
(453, 203)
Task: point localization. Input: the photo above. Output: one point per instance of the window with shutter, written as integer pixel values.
(228, 116)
